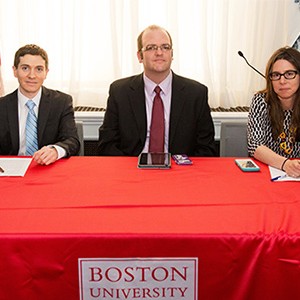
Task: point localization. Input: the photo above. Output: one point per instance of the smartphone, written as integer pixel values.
(247, 165)
(182, 159)
(154, 161)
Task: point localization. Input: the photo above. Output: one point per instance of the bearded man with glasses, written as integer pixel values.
(185, 123)
(274, 117)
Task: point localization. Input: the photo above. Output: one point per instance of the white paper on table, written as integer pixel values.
(14, 166)
(280, 175)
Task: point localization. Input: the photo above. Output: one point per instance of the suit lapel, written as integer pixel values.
(13, 120)
(137, 102)
(177, 104)
(44, 109)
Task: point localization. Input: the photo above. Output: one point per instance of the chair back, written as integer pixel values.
(233, 139)
(79, 127)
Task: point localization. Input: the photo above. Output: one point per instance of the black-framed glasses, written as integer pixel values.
(153, 47)
(290, 74)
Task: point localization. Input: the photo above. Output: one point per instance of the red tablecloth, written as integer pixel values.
(243, 228)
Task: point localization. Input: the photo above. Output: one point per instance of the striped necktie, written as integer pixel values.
(31, 129)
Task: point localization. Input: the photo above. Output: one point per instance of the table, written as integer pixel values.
(243, 228)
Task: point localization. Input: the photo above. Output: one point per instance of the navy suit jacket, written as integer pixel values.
(123, 131)
(56, 124)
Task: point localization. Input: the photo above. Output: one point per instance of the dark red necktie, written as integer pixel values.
(157, 128)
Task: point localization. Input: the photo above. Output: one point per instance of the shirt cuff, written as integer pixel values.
(61, 152)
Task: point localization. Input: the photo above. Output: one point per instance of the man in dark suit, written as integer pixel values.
(56, 130)
(188, 125)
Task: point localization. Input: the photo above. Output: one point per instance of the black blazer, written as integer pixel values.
(56, 124)
(123, 131)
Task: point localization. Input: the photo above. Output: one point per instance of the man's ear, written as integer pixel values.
(140, 56)
(15, 71)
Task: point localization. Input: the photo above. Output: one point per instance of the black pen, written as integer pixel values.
(1, 170)
(278, 177)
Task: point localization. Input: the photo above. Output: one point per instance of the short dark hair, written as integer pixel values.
(32, 50)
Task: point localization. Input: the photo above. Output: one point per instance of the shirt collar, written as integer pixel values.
(36, 99)
(165, 85)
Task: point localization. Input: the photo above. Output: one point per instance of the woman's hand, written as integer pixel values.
(292, 167)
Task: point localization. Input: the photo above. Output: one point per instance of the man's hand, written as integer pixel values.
(45, 156)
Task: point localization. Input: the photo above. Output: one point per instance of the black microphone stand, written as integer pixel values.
(240, 53)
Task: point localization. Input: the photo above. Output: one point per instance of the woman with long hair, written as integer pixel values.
(274, 117)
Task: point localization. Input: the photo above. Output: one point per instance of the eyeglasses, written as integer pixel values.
(152, 48)
(290, 74)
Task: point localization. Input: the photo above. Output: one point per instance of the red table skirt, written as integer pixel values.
(243, 228)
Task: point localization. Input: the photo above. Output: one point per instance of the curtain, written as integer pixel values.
(91, 43)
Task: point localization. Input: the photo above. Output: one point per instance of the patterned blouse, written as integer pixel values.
(260, 133)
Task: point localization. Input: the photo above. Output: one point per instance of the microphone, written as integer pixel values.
(240, 53)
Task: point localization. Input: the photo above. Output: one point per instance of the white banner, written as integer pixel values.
(138, 278)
